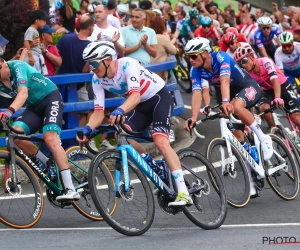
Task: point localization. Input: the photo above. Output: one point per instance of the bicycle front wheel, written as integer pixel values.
(284, 182)
(210, 208)
(21, 202)
(232, 170)
(134, 213)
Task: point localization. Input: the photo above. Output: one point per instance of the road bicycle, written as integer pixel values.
(229, 158)
(131, 190)
(22, 197)
(182, 73)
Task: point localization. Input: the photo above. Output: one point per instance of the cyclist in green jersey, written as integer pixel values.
(44, 109)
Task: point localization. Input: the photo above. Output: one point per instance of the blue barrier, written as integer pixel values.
(68, 86)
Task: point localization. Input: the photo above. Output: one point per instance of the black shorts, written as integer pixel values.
(287, 94)
(158, 109)
(184, 39)
(47, 114)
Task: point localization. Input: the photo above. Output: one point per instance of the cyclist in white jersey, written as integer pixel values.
(287, 56)
(148, 101)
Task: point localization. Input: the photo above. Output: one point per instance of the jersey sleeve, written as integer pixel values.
(224, 62)
(99, 96)
(20, 70)
(257, 39)
(277, 32)
(197, 32)
(215, 33)
(270, 67)
(278, 59)
(132, 77)
(187, 27)
(196, 80)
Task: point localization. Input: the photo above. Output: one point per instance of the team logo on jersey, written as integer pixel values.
(268, 66)
(23, 82)
(215, 79)
(224, 65)
(250, 93)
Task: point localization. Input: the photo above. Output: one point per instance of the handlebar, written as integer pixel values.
(7, 128)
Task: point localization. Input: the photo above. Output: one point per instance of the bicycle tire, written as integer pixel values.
(186, 85)
(85, 205)
(214, 198)
(14, 219)
(232, 200)
(292, 166)
(103, 209)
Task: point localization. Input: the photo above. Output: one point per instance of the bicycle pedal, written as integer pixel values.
(65, 204)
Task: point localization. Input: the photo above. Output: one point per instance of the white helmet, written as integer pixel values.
(197, 45)
(98, 50)
(264, 21)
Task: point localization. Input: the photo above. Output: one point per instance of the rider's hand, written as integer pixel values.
(117, 116)
(189, 124)
(227, 107)
(278, 102)
(86, 131)
(6, 115)
(205, 110)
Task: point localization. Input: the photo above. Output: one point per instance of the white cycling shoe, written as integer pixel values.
(267, 148)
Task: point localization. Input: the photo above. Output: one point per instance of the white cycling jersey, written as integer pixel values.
(130, 77)
(288, 61)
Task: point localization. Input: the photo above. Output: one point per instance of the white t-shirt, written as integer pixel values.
(106, 35)
(113, 21)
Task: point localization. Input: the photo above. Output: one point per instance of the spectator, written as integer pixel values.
(222, 21)
(295, 23)
(111, 9)
(275, 22)
(249, 26)
(68, 15)
(49, 51)
(179, 7)
(165, 46)
(147, 7)
(180, 19)
(35, 58)
(297, 35)
(132, 6)
(140, 41)
(124, 15)
(259, 13)
(230, 17)
(84, 3)
(240, 9)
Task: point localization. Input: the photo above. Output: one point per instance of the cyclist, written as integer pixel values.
(148, 101)
(230, 40)
(240, 38)
(186, 32)
(264, 37)
(277, 89)
(287, 57)
(207, 30)
(44, 109)
(235, 89)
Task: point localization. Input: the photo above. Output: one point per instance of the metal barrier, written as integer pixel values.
(68, 87)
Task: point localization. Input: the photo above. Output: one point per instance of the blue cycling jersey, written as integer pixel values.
(222, 65)
(261, 40)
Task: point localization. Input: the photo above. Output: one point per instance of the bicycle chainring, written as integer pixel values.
(163, 204)
(52, 198)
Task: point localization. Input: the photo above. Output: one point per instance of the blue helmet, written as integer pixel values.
(206, 20)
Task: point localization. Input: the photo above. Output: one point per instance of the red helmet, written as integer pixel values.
(228, 37)
(233, 30)
(242, 52)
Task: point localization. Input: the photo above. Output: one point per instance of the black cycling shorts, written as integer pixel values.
(47, 114)
(157, 110)
(184, 39)
(287, 94)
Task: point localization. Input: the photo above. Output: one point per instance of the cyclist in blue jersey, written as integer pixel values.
(264, 37)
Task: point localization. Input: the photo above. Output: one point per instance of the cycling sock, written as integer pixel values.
(66, 176)
(257, 130)
(42, 157)
(178, 177)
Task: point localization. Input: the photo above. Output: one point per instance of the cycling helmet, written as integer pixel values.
(286, 37)
(206, 21)
(193, 13)
(197, 45)
(229, 37)
(264, 21)
(242, 52)
(58, 4)
(99, 50)
(233, 30)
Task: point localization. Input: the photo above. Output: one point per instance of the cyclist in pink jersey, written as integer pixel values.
(277, 89)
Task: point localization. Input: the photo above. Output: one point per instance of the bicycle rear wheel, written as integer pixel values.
(134, 213)
(182, 76)
(21, 203)
(235, 180)
(210, 208)
(285, 182)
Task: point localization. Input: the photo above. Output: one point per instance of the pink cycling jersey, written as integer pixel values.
(268, 71)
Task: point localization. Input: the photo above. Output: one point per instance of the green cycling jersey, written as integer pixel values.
(188, 27)
(23, 75)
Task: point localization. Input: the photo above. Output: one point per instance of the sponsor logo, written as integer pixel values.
(250, 93)
(54, 111)
(23, 82)
(38, 208)
(39, 80)
(215, 79)
(125, 66)
(95, 80)
(220, 58)
(268, 66)
(225, 65)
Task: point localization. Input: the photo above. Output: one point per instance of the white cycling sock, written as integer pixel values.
(67, 179)
(178, 176)
(257, 130)
(42, 157)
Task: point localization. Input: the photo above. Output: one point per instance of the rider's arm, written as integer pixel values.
(278, 59)
(225, 82)
(259, 44)
(20, 98)
(270, 67)
(215, 33)
(205, 92)
(263, 51)
(277, 41)
(196, 103)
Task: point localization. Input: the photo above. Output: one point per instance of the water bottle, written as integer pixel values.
(51, 171)
(161, 164)
(252, 151)
(38, 162)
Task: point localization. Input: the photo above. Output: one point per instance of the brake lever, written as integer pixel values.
(80, 136)
(191, 129)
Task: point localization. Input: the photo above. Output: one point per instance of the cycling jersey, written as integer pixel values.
(130, 77)
(180, 23)
(238, 45)
(261, 40)
(290, 62)
(223, 47)
(268, 71)
(211, 33)
(188, 27)
(23, 75)
(222, 65)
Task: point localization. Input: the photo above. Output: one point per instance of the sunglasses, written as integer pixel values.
(194, 56)
(205, 26)
(94, 64)
(243, 61)
(228, 44)
(265, 28)
(287, 46)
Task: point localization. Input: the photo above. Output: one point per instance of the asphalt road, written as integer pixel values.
(266, 219)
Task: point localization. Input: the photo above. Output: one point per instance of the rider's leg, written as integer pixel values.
(268, 117)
